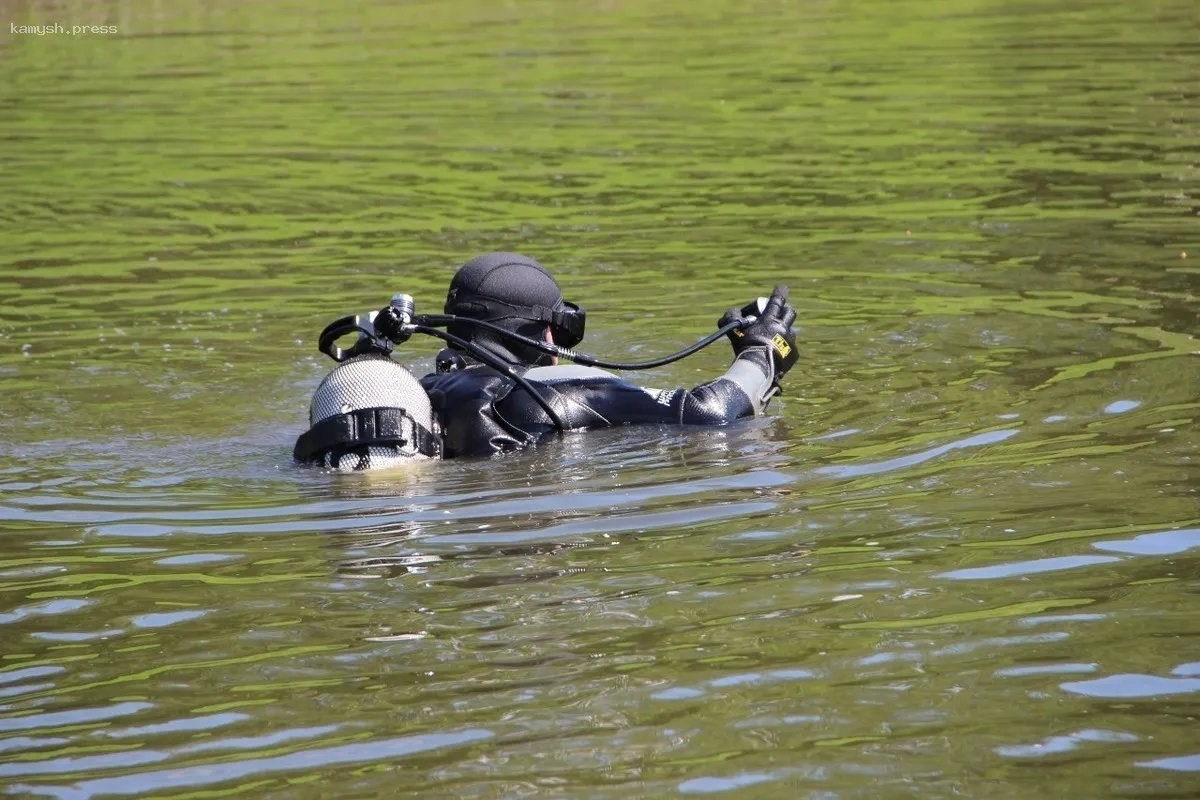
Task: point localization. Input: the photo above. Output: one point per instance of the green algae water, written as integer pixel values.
(961, 557)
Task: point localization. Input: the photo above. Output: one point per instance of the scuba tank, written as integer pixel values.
(369, 413)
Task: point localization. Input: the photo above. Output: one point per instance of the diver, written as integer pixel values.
(482, 411)
(499, 388)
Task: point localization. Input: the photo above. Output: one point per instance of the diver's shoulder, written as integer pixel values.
(475, 374)
(568, 372)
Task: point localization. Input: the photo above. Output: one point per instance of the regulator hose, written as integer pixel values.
(571, 355)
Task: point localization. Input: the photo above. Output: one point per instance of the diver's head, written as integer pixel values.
(369, 413)
(516, 293)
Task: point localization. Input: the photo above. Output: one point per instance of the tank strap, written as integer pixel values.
(363, 427)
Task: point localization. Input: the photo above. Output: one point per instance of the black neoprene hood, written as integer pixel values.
(508, 278)
(491, 286)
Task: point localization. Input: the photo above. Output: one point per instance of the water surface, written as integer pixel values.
(960, 556)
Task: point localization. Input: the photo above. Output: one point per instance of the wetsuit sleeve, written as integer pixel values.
(590, 398)
(743, 391)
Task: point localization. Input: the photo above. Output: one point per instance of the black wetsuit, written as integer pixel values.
(482, 412)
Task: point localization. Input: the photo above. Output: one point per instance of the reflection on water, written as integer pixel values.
(963, 545)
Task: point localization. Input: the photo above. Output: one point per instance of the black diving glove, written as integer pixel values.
(771, 330)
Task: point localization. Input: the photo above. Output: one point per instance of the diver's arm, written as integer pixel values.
(764, 351)
(499, 416)
(592, 398)
(743, 391)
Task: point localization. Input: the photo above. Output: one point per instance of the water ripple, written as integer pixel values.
(180, 777)
(1132, 685)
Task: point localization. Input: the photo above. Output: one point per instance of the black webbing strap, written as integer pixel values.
(366, 426)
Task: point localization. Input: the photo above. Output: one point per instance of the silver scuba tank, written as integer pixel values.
(369, 413)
